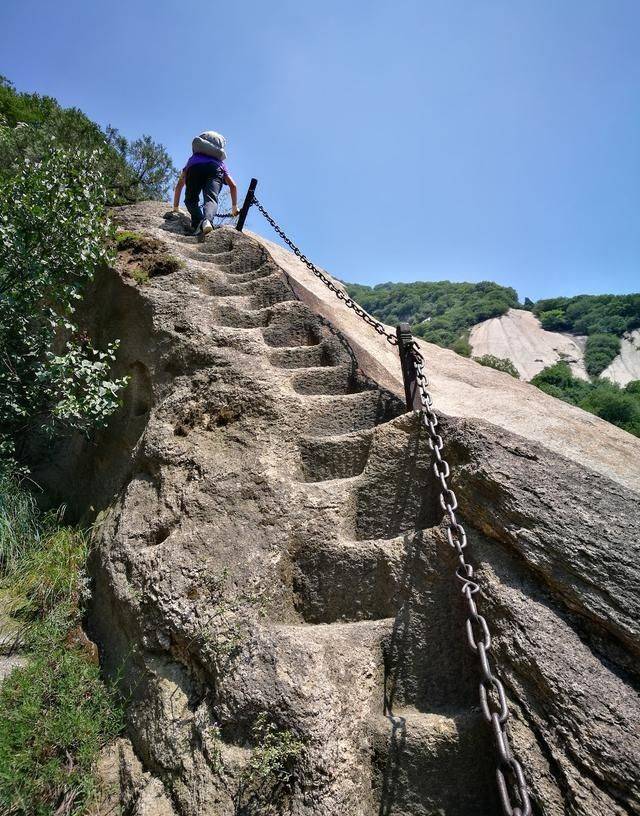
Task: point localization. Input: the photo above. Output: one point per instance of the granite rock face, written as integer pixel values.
(270, 548)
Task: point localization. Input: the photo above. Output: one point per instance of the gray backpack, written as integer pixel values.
(211, 144)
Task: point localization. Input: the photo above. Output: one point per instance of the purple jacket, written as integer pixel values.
(202, 158)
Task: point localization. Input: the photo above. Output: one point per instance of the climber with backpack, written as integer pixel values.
(205, 173)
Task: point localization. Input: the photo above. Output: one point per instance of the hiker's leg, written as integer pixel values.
(211, 192)
(192, 195)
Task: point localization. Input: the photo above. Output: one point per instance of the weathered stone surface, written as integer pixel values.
(270, 541)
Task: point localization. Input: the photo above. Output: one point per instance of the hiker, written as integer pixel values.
(205, 173)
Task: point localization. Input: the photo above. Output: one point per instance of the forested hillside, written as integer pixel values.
(443, 313)
(439, 311)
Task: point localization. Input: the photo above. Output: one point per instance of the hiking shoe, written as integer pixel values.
(206, 226)
(199, 233)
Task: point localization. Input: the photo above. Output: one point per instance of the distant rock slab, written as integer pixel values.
(518, 336)
(626, 367)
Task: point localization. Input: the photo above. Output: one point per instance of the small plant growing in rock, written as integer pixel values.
(268, 779)
(144, 257)
(226, 627)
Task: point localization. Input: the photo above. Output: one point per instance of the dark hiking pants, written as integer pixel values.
(206, 178)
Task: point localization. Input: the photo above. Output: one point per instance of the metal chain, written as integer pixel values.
(348, 302)
(509, 771)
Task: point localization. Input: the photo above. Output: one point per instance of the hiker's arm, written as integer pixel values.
(178, 192)
(234, 193)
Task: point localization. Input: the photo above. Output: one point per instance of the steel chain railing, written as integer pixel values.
(510, 776)
(348, 302)
(509, 772)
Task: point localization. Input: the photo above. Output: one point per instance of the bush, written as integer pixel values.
(559, 378)
(462, 346)
(269, 776)
(607, 400)
(499, 363)
(601, 350)
(53, 237)
(554, 320)
(620, 408)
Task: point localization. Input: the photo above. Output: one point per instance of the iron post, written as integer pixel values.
(248, 201)
(411, 391)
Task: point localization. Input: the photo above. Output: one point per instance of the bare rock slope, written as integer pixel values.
(270, 549)
(626, 366)
(519, 337)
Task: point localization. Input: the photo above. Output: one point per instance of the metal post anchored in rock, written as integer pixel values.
(405, 345)
(248, 201)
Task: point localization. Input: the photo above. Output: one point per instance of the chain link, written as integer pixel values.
(512, 785)
(348, 302)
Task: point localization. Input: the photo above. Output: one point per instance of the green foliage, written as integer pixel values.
(444, 312)
(633, 387)
(42, 577)
(226, 626)
(30, 124)
(55, 713)
(554, 320)
(53, 237)
(559, 381)
(603, 398)
(601, 350)
(439, 311)
(125, 238)
(590, 314)
(617, 406)
(55, 716)
(462, 346)
(140, 276)
(499, 363)
(269, 776)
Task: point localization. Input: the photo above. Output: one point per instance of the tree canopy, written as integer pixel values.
(439, 311)
(30, 123)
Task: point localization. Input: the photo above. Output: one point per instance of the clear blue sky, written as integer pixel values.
(420, 139)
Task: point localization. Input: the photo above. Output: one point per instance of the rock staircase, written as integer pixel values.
(268, 454)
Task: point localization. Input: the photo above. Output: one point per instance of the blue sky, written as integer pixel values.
(423, 139)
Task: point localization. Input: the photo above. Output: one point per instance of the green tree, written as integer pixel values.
(53, 237)
(601, 350)
(439, 311)
(554, 320)
(607, 400)
(558, 380)
(30, 124)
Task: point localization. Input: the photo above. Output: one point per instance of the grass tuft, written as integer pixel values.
(56, 714)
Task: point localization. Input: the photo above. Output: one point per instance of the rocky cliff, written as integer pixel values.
(271, 576)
